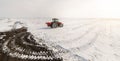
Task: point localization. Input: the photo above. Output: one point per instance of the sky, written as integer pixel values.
(60, 8)
(108, 8)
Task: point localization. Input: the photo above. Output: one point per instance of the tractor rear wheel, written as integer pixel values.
(54, 25)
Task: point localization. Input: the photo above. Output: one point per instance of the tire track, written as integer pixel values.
(87, 32)
(87, 45)
(78, 38)
(88, 24)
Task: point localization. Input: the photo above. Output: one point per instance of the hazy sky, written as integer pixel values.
(108, 8)
(60, 8)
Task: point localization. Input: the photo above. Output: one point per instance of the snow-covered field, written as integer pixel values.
(85, 39)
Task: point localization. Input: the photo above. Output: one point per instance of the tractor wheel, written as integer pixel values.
(61, 25)
(54, 25)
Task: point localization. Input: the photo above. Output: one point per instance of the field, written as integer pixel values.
(83, 39)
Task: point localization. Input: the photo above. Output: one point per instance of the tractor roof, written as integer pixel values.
(55, 19)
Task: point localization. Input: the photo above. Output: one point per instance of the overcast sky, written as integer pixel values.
(60, 8)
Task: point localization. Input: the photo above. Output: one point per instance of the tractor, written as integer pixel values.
(55, 23)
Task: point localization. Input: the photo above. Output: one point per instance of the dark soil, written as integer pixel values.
(15, 44)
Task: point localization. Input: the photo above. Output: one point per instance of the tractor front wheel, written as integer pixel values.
(61, 25)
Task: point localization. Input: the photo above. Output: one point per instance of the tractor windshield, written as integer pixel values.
(55, 20)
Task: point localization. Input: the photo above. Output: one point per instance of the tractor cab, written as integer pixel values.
(55, 20)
